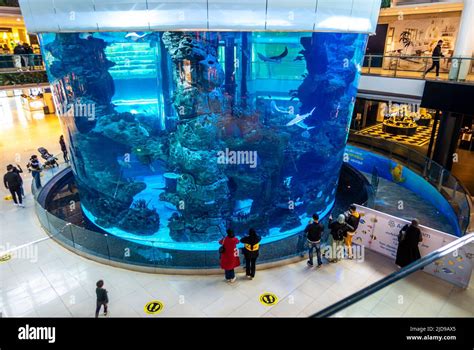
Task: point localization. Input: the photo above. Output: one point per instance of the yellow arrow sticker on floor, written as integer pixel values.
(154, 307)
(268, 299)
(5, 258)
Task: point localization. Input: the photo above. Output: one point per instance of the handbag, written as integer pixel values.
(401, 236)
(222, 248)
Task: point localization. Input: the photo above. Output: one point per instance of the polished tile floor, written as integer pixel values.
(46, 280)
(419, 295)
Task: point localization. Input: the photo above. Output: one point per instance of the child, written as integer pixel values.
(102, 298)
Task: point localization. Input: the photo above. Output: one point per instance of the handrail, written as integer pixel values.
(394, 277)
(460, 69)
(416, 56)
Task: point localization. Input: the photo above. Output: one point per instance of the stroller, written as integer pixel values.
(50, 160)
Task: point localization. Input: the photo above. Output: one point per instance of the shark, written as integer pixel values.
(299, 120)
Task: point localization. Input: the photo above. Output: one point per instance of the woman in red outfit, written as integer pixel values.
(230, 256)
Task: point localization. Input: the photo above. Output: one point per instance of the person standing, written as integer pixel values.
(102, 298)
(352, 219)
(229, 255)
(18, 52)
(251, 248)
(17, 169)
(63, 148)
(313, 232)
(339, 230)
(408, 239)
(34, 166)
(13, 183)
(28, 55)
(436, 55)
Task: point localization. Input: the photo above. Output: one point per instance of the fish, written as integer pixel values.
(143, 130)
(299, 120)
(275, 59)
(136, 35)
(86, 35)
(305, 134)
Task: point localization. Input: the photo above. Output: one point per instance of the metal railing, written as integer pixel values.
(10, 3)
(447, 184)
(18, 70)
(460, 69)
(353, 300)
(11, 63)
(69, 228)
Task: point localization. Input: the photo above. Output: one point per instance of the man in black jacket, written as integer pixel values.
(313, 234)
(13, 182)
(436, 56)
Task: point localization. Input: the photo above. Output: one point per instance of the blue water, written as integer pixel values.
(198, 132)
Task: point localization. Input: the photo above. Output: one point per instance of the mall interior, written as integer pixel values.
(162, 146)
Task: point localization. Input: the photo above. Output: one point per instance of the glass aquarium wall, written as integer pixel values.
(176, 136)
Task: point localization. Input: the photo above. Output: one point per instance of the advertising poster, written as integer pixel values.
(378, 232)
(365, 230)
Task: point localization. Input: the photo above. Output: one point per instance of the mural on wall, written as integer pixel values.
(418, 37)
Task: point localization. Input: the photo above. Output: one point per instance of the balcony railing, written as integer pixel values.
(9, 3)
(18, 70)
(458, 69)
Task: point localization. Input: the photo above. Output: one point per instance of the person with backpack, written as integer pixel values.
(13, 183)
(339, 230)
(313, 233)
(229, 255)
(251, 248)
(34, 166)
(408, 239)
(352, 218)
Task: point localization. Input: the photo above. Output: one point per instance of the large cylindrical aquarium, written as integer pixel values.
(176, 136)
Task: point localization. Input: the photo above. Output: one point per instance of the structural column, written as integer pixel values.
(464, 44)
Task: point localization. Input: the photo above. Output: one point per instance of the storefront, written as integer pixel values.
(409, 35)
(13, 32)
(404, 123)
